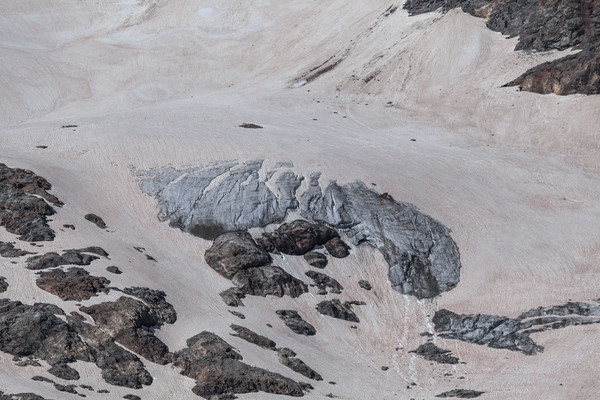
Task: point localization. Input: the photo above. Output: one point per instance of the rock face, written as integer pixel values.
(431, 352)
(288, 358)
(74, 284)
(334, 308)
(24, 204)
(423, 259)
(253, 337)
(233, 297)
(53, 260)
(461, 394)
(20, 396)
(32, 331)
(317, 260)
(322, 282)
(269, 280)
(3, 284)
(96, 220)
(9, 250)
(218, 370)
(128, 321)
(364, 284)
(513, 333)
(541, 26)
(294, 321)
(156, 301)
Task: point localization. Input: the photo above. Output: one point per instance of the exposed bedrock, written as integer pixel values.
(294, 321)
(3, 284)
(10, 251)
(315, 259)
(96, 220)
(20, 396)
(334, 308)
(219, 371)
(431, 352)
(25, 204)
(323, 282)
(69, 257)
(225, 197)
(36, 332)
(288, 358)
(156, 301)
(74, 284)
(514, 333)
(541, 26)
(253, 337)
(130, 322)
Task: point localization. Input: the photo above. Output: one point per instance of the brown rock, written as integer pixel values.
(74, 284)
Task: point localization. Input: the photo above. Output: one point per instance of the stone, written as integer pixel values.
(63, 371)
(337, 248)
(96, 220)
(74, 284)
(269, 280)
(287, 358)
(233, 297)
(323, 282)
(8, 250)
(237, 314)
(461, 394)
(233, 252)
(294, 321)
(25, 204)
(114, 269)
(431, 352)
(253, 337)
(156, 300)
(219, 371)
(299, 237)
(514, 333)
(364, 284)
(3, 284)
(334, 308)
(315, 259)
(20, 396)
(132, 397)
(53, 260)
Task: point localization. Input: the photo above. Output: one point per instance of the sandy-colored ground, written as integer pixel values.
(151, 83)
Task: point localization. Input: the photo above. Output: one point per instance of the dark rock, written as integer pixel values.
(8, 250)
(270, 280)
(364, 284)
(323, 282)
(24, 204)
(233, 252)
(132, 397)
(218, 371)
(76, 315)
(253, 337)
(156, 300)
(3, 284)
(233, 297)
(299, 237)
(461, 394)
(65, 372)
(513, 333)
(52, 260)
(103, 391)
(294, 321)
(69, 226)
(28, 363)
(317, 260)
(384, 368)
(237, 314)
(92, 249)
(541, 26)
(93, 218)
(38, 378)
(87, 387)
(337, 248)
(299, 366)
(129, 322)
(20, 396)
(334, 308)
(51, 308)
(306, 386)
(250, 126)
(74, 284)
(431, 352)
(114, 269)
(65, 388)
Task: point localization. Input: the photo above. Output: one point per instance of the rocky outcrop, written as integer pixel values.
(219, 371)
(541, 26)
(253, 337)
(423, 260)
(322, 282)
(3, 284)
(233, 252)
(25, 204)
(8, 250)
(96, 220)
(364, 284)
(514, 333)
(33, 331)
(130, 323)
(113, 269)
(63, 371)
(269, 280)
(315, 259)
(233, 297)
(74, 284)
(294, 321)
(53, 260)
(156, 301)
(431, 352)
(20, 396)
(461, 394)
(334, 308)
(288, 358)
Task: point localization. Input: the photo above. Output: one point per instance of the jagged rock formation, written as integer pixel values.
(129, 322)
(218, 370)
(33, 331)
(3, 284)
(74, 284)
(514, 333)
(364, 284)
(8, 250)
(431, 352)
(20, 396)
(541, 26)
(322, 282)
(288, 358)
(315, 259)
(461, 394)
(113, 269)
(96, 220)
(69, 257)
(253, 337)
(334, 308)
(233, 297)
(269, 280)
(294, 321)
(24, 202)
(156, 301)
(65, 372)
(423, 260)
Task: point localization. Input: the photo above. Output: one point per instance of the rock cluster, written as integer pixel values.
(96, 220)
(513, 333)
(294, 321)
(461, 394)
(3, 284)
(322, 282)
(25, 204)
(253, 337)
(431, 352)
(69, 257)
(334, 308)
(74, 284)
(315, 259)
(541, 26)
(8, 250)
